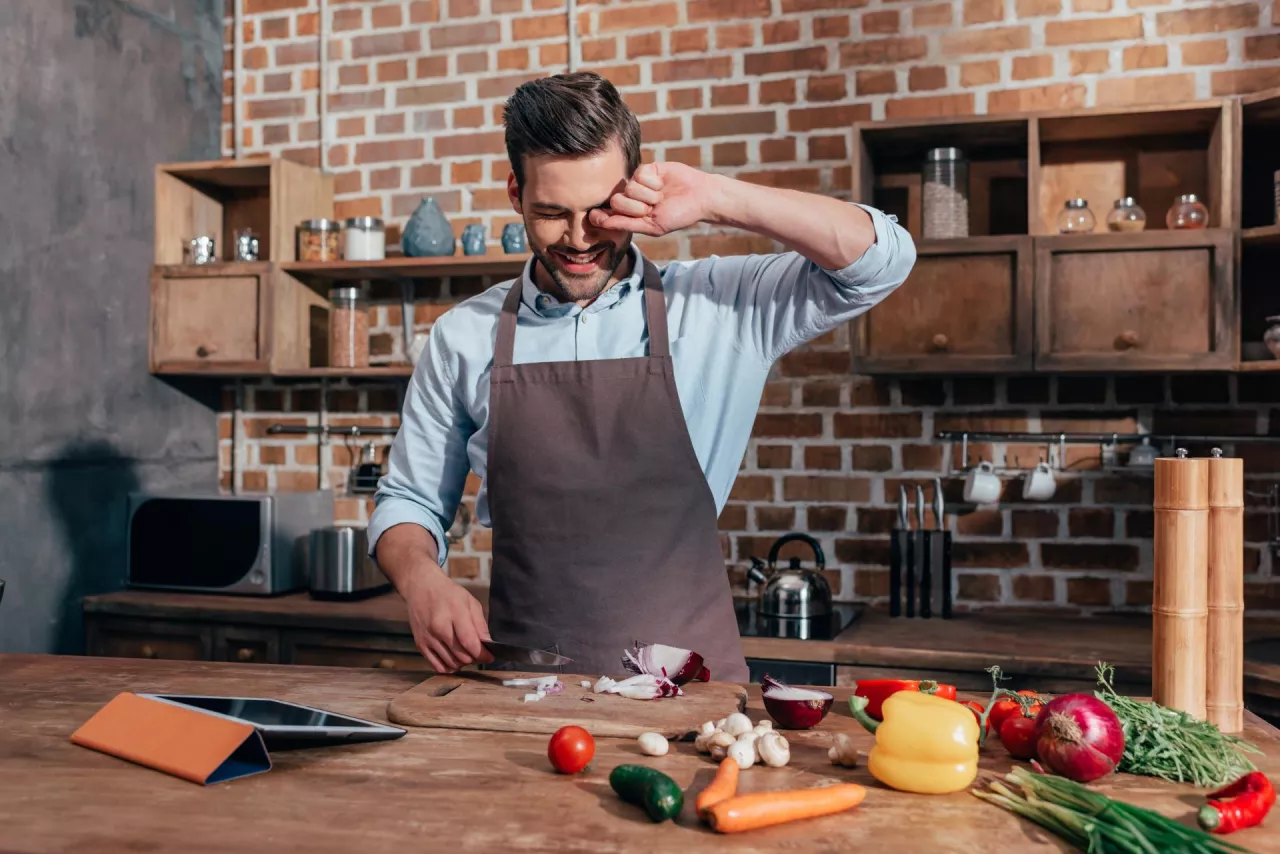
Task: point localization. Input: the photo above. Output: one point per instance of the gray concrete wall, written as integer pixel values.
(93, 94)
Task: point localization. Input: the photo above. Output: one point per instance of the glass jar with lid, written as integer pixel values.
(348, 327)
(364, 238)
(318, 240)
(1076, 218)
(1187, 212)
(1127, 215)
(945, 194)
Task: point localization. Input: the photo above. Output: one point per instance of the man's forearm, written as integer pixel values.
(407, 554)
(831, 233)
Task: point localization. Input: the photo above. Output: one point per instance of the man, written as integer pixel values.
(606, 404)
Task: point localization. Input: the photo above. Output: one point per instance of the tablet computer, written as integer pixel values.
(286, 725)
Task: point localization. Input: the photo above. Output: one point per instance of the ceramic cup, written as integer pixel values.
(982, 486)
(513, 238)
(1039, 485)
(473, 240)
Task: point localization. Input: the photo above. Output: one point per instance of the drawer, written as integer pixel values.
(210, 323)
(124, 638)
(384, 652)
(246, 644)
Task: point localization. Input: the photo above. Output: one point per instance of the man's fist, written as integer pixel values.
(660, 198)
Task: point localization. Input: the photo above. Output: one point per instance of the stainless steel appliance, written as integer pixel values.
(794, 591)
(245, 544)
(340, 564)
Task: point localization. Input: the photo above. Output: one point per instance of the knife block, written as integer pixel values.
(1179, 609)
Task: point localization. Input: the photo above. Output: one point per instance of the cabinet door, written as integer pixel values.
(245, 644)
(965, 307)
(209, 323)
(341, 649)
(1157, 301)
(128, 638)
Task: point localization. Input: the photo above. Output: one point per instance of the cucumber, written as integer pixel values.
(653, 790)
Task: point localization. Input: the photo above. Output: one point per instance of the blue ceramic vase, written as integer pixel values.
(427, 233)
(513, 238)
(473, 240)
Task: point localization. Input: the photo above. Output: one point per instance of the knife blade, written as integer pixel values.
(524, 655)
(899, 549)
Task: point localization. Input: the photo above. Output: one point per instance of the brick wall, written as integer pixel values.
(766, 90)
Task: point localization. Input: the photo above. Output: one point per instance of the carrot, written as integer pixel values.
(764, 809)
(723, 787)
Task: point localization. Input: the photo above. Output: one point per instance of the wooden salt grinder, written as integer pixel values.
(1179, 608)
(1224, 703)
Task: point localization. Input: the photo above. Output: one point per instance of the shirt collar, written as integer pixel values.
(546, 305)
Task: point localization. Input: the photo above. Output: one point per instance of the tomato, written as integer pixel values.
(1002, 709)
(571, 749)
(1018, 735)
(975, 707)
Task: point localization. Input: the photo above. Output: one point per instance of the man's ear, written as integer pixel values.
(513, 193)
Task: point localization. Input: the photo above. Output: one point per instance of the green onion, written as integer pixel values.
(1092, 821)
(1172, 745)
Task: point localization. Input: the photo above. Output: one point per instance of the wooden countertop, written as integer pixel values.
(444, 790)
(1061, 647)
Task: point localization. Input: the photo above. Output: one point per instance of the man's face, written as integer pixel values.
(557, 196)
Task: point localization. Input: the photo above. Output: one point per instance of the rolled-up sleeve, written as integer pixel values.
(778, 302)
(427, 468)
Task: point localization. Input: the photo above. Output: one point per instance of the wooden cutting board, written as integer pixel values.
(480, 701)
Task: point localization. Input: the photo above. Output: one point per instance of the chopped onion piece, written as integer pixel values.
(669, 662)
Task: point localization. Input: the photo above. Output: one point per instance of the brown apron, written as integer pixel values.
(604, 527)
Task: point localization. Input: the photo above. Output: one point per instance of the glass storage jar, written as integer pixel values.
(318, 240)
(1127, 215)
(348, 327)
(364, 238)
(945, 193)
(1187, 212)
(1076, 218)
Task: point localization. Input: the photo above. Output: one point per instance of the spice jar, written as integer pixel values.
(1187, 212)
(348, 327)
(945, 177)
(364, 238)
(318, 240)
(1076, 218)
(1127, 215)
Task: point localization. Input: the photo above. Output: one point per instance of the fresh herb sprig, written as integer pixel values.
(1172, 745)
(1094, 822)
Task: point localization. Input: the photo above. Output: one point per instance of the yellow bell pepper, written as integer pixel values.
(925, 744)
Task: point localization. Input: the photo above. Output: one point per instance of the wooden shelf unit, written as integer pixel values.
(1260, 237)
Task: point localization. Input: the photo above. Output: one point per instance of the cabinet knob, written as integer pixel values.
(244, 654)
(148, 651)
(204, 351)
(386, 664)
(1128, 339)
(940, 341)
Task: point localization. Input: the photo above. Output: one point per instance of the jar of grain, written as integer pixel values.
(318, 240)
(1076, 218)
(1127, 215)
(348, 327)
(945, 194)
(364, 238)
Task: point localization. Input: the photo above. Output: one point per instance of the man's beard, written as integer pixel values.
(573, 288)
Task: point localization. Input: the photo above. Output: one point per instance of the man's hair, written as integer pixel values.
(568, 115)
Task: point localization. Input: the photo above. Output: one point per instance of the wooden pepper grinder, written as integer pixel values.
(1179, 611)
(1224, 703)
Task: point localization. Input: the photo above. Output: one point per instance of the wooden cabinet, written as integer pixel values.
(206, 323)
(1158, 301)
(328, 649)
(126, 638)
(246, 644)
(966, 307)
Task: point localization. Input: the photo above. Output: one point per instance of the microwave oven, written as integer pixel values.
(252, 545)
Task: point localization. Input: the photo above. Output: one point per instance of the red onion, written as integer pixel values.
(669, 662)
(1079, 737)
(794, 708)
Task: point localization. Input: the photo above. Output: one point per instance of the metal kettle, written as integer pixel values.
(794, 592)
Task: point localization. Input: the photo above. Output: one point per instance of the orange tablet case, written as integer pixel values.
(184, 742)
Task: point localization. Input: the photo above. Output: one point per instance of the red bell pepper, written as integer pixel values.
(878, 690)
(1242, 804)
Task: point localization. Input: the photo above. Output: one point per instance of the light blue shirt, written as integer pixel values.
(729, 320)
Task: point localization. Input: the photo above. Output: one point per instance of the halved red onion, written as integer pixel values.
(794, 708)
(670, 662)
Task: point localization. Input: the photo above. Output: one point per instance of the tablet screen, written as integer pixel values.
(268, 713)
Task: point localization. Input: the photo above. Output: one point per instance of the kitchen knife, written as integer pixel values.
(927, 577)
(942, 552)
(922, 553)
(898, 551)
(524, 655)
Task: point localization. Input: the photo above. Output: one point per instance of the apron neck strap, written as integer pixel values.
(655, 313)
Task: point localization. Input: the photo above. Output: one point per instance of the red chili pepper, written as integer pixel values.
(878, 690)
(1242, 804)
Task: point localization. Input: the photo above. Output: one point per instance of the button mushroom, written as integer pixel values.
(653, 744)
(743, 753)
(774, 750)
(736, 724)
(842, 752)
(720, 742)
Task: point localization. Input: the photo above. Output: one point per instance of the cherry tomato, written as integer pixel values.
(1018, 735)
(975, 707)
(571, 749)
(1002, 709)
